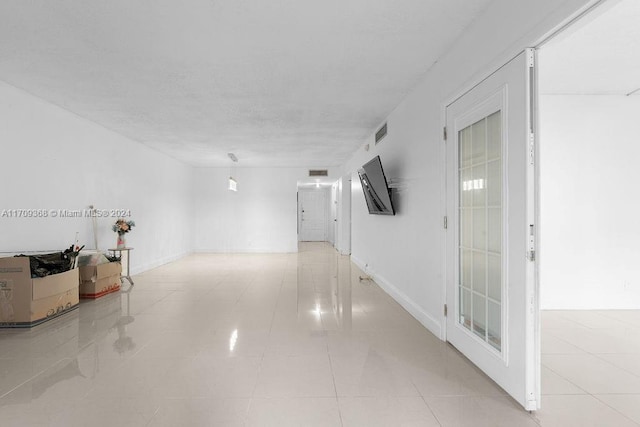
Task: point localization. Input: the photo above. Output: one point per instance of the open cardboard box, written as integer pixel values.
(27, 302)
(99, 280)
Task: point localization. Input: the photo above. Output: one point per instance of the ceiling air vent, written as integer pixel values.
(318, 172)
(382, 132)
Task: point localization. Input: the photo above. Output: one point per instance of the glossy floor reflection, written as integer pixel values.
(268, 340)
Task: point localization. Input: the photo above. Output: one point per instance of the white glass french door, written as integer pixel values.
(491, 290)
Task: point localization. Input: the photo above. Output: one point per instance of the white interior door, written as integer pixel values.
(313, 215)
(491, 290)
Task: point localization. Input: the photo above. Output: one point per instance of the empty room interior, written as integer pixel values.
(360, 213)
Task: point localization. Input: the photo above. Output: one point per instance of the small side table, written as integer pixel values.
(118, 252)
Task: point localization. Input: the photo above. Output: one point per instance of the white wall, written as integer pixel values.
(260, 217)
(53, 159)
(405, 253)
(589, 150)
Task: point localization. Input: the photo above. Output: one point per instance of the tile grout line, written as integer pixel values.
(335, 388)
(33, 377)
(567, 380)
(597, 356)
(612, 408)
(255, 386)
(428, 406)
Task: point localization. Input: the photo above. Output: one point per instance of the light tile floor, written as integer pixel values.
(294, 339)
(590, 368)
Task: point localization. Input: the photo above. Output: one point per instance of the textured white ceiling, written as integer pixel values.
(599, 55)
(279, 83)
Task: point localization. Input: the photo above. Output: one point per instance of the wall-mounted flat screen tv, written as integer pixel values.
(376, 190)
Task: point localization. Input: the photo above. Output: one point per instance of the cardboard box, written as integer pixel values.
(99, 280)
(27, 302)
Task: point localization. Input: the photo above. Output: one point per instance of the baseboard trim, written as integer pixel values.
(247, 251)
(428, 321)
(155, 264)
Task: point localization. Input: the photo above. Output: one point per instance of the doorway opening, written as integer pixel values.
(589, 274)
(324, 212)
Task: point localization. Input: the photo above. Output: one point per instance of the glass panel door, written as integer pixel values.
(490, 196)
(480, 238)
